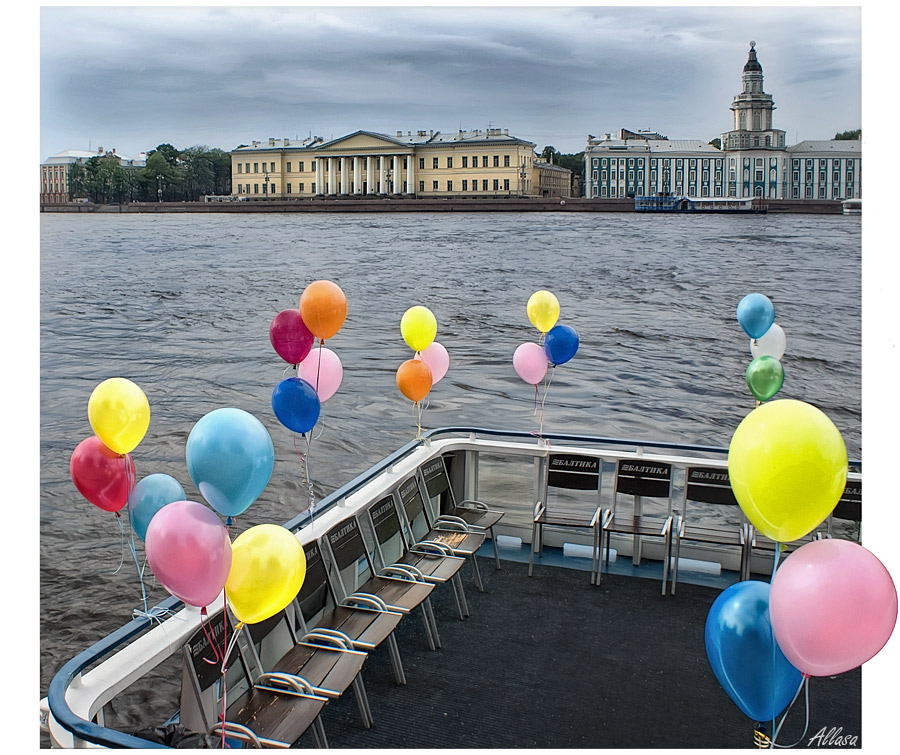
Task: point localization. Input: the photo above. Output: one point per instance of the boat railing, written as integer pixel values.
(73, 712)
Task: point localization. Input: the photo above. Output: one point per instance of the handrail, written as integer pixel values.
(97, 734)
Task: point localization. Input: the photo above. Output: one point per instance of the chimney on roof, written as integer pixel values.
(506, 132)
(399, 134)
(271, 141)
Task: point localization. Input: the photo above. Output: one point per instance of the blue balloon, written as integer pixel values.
(755, 313)
(230, 458)
(148, 497)
(744, 655)
(560, 344)
(296, 404)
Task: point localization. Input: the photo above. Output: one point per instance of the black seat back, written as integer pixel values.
(417, 524)
(349, 555)
(384, 521)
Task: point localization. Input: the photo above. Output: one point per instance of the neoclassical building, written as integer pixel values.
(753, 160)
(55, 187)
(488, 163)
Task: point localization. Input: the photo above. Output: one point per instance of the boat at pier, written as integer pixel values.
(567, 612)
(673, 203)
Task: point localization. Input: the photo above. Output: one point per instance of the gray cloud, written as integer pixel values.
(132, 77)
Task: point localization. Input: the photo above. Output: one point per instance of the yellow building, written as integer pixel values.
(478, 163)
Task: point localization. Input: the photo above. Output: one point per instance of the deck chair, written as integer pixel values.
(365, 622)
(710, 485)
(571, 472)
(462, 540)
(848, 509)
(263, 710)
(641, 478)
(329, 663)
(398, 589)
(434, 561)
(475, 514)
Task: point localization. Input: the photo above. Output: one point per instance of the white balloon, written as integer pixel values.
(771, 344)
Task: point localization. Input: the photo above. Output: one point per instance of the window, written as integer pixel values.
(256, 167)
(313, 187)
(465, 161)
(289, 167)
(421, 163)
(474, 161)
(299, 166)
(506, 184)
(484, 184)
(758, 175)
(301, 188)
(271, 167)
(496, 161)
(450, 185)
(434, 163)
(434, 185)
(422, 183)
(449, 162)
(505, 161)
(256, 188)
(239, 166)
(246, 167)
(465, 181)
(288, 188)
(496, 183)
(474, 185)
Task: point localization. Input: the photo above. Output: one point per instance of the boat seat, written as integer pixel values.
(569, 472)
(366, 623)
(264, 710)
(476, 514)
(396, 589)
(711, 486)
(418, 526)
(434, 561)
(641, 478)
(329, 663)
(848, 511)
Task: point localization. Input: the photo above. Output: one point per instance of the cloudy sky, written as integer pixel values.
(219, 75)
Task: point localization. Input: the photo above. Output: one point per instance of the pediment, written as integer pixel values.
(364, 140)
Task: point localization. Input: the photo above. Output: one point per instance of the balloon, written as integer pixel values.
(323, 307)
(833, 605)
(296, 404)
(530, 363)
(290, 337)
(560, 344)
(543, 310)
(119, 414)
(414, 379)
(765, 376)
(744, 655)
(189, 551)
(101, 475)
(267, 571)
(148, 497)
(323, 370)
(230, 458)
(437, 359)
(788, 466)
(771, 344)
(418, 327)
(755, 314)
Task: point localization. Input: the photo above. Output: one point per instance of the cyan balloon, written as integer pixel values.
(560, 344)
(744, 655)
(230, 458)
(296, 404)
(148, 497)
(755, 313)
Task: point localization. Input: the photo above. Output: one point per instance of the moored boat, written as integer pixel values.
(671, 203)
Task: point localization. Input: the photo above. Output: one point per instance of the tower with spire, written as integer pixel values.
(752, 112)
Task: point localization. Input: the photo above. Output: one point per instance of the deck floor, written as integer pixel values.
(552, 661)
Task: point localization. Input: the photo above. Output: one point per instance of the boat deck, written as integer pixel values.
(552, 661)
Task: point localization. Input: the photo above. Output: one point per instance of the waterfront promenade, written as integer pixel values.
(340, 204)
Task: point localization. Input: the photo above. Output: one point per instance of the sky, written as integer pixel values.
(131, 78)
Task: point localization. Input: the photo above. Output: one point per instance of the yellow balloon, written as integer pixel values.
(418, 327)
(119, 414)
(268, 567)
(543, 310)
(788, 467)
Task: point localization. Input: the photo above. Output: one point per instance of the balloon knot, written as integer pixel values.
(228, 521)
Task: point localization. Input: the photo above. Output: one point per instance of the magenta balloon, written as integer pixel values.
(436, 359)
(833, 606)
(323, 370)
(189, 551)
(290, 337)
(530, 363)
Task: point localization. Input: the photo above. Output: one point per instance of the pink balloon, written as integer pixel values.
(189, 551)
(436, 359)
(290, 337)
(833, 606)
(323, 370)
(530, 363)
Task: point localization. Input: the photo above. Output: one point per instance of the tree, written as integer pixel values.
(848, 135)
(549, 153)
(717, 143)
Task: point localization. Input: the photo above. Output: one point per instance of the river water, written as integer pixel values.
(181, 305)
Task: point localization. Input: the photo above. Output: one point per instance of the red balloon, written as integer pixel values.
(102, 476)
(290, 337)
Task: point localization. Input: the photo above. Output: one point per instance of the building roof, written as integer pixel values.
(681, 145)
(831, 145)
(72, 156)
(752, 63)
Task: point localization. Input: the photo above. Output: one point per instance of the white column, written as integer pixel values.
(382, 175)
(332, 178)
(411, 187)
(357, 175)
(345, 176)
(370, 175)
(320, 176)
(398, 168)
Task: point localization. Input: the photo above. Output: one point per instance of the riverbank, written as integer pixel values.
(348, 205)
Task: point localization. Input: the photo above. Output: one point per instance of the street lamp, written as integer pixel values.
(266, 185)
(388, 176)
(159, 187)
(523, 175)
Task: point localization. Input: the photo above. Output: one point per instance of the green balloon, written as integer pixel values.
(765, 376)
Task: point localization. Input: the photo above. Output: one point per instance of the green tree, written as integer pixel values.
(717, 143)
(849, 135)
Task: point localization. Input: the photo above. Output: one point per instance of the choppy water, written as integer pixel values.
(182, 304)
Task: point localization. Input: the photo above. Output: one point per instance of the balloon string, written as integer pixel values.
(804, 684)
(122, 533)
(548, 380)
(417, 411)
(129, 485)
(305, 477)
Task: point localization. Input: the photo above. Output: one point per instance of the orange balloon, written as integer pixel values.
(323, 308)
(414, 379)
